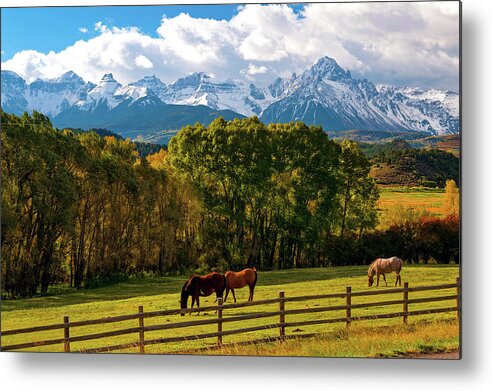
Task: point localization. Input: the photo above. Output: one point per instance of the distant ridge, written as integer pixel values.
(325, 94)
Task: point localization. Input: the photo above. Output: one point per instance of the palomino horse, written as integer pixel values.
(198, 286)
(380, 266)
(239, 280)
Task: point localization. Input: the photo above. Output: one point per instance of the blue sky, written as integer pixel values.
(58, 27)
(415, 44)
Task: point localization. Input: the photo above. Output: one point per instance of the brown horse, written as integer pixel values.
(198, 286)
(380, 266)
(239, 280)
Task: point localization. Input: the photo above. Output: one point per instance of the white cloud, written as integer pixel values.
(392, 43)
(99, 26)
(255, 70)
(143, 62)
(83, 30)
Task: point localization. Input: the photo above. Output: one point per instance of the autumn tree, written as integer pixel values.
(451, 198)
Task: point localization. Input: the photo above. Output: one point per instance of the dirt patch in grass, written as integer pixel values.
(450, 355)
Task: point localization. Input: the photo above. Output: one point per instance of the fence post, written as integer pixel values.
(66, 335)
(405, 304)
(141, 331)
(282, 329)
(458, 292)
(348, 306)
(219, 321)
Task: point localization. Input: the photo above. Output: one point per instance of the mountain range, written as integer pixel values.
(325, 94)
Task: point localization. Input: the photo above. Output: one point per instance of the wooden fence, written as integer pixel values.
(221, 308)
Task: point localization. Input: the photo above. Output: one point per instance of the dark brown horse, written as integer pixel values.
(239, 280)
(198, 286)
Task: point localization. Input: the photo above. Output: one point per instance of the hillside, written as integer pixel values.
(415, 167)
(449, 143)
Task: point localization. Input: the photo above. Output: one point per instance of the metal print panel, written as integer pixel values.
(238, 179)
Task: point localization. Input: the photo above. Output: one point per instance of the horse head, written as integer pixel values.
(184, 297)
(371, 273)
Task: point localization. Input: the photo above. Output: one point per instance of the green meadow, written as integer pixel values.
(162, 293)
(416, 198)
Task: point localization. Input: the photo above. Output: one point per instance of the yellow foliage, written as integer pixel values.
(158, 159)
(451, 197)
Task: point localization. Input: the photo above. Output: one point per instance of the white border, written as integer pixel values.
(474, 372)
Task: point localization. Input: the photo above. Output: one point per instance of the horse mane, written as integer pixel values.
(370, 269)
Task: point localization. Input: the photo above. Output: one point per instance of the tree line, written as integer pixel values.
(82, 209)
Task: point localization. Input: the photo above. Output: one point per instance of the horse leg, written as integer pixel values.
(252, 288)
(378, 278)
(384, 279)
(198, 305)
(233, 292)
(226, 295)
(193, 302)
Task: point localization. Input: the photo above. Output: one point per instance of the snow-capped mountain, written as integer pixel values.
(198, 89)
(109, 94)
(53, 96)
(47, 96)
(14, 93)
(152, 83)
(325, 94)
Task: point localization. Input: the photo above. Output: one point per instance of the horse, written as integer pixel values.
(380, 266)
(198, 286)
(237, 280)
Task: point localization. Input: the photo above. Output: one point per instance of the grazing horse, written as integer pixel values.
(380, 266)
(198, 286)
(239, 280)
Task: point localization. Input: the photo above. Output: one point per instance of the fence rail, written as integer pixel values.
(221, 308)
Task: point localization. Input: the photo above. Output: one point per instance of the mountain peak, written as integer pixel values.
(149, 81)
(193, 80)
(69, 77)
(327, 67)
(108, 78)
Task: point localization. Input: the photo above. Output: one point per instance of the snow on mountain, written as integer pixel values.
(105, 93)
(325, 94)
(198, 89)
(432, 111)
(14, 93)
(109, 94)
(152, 83)
(448, 99)
(55, 95)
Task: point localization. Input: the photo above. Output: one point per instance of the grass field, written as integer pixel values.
(433, 200)
(156, 293)
(399, 340)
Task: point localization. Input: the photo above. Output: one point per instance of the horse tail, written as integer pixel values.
(256, 276)
(225, 281)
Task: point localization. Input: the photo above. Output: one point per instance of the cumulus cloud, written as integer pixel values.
(143, 62)
(255, 70)
(83, 30)
(391, 43)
